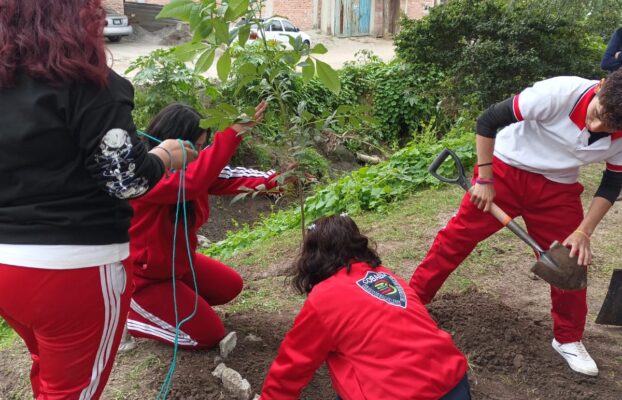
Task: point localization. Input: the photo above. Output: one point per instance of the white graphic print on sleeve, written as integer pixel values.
(116, 163)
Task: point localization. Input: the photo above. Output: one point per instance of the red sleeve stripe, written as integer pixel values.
(614, 168)
(517, 113)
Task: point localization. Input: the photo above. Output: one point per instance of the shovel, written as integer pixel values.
(554, 266)
(611, 311)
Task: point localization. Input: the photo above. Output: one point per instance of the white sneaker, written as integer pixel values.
(127, 342)
(577, 357)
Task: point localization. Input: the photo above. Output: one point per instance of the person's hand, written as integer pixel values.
(579, 243)
(482, 196)
(617, 55)
(257, 118)
(171, 152)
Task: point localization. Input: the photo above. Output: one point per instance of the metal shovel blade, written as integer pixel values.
(611, 311)
(556, 267)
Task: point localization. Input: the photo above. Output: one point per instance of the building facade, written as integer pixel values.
(343, 18)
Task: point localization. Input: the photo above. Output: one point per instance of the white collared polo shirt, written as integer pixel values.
(551, 137)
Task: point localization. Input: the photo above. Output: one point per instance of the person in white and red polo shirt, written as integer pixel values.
(531, 169)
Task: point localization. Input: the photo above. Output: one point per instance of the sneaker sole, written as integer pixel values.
(579, 370)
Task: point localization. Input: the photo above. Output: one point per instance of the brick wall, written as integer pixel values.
(114, 5)
(300, 12)
(416, 9)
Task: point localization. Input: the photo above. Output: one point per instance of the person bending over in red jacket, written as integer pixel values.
(367, 324)
(152, 313)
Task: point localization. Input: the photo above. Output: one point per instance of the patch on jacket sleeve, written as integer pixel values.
(383, 287)
(117, 165)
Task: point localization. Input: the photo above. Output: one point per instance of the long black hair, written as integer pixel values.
(176, 121)
(330, 243)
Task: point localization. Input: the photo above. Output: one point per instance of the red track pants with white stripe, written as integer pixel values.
(551, 211)
(152, 312)
(71, 321)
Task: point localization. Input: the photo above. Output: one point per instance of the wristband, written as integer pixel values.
(484, 181)
(484, 164)
(582, 233)
(170, 156)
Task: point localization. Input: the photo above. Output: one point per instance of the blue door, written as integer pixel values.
(352, 17)
(361, 11)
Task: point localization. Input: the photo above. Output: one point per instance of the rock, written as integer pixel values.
(256, 397)
(236, 385)
(203, 241)
(228, 344)
(217, 360)
(218, 371)
(252, 338)
(519, 361)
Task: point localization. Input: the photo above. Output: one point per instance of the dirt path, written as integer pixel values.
(340, 50)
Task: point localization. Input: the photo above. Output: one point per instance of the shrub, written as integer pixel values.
(490, 49)
(162, 79)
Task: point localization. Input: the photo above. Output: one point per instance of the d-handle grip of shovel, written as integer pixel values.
(463, 182)
(460, 180)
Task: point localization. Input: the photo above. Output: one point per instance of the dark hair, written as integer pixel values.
(610, 96)
(58, 42)
(330, 243)
(175, 121)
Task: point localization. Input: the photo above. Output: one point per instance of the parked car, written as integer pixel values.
(278, 29)
(117, 26)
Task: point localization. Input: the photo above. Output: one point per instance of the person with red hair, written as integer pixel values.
(69, 160)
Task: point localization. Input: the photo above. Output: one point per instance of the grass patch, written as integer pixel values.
(7, 335)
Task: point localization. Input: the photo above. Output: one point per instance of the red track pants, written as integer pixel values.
(152, 312)
(71, 321)
(551, 211)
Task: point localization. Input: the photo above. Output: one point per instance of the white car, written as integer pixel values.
(278, 29)
(116, 27)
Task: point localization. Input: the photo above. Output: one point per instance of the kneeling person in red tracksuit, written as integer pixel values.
(152, 313)
(367, 324)
(546, 133)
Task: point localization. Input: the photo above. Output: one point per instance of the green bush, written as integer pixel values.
(162, 79)
(369, 188)
(489, 49)
(401, 97)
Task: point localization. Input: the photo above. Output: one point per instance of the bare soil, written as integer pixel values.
(503, 327)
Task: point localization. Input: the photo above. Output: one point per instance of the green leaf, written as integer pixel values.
(308, 70)
(319, 49)
(224, 66)
(205, 60)
(188, 51)
(328, 76)
(195, 17)
(243, 34)
(222, 31)
(179, 9)
(239, 7)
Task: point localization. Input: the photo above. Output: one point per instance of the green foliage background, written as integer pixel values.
(489, 49)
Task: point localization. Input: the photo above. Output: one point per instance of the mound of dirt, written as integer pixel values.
(509, 353)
